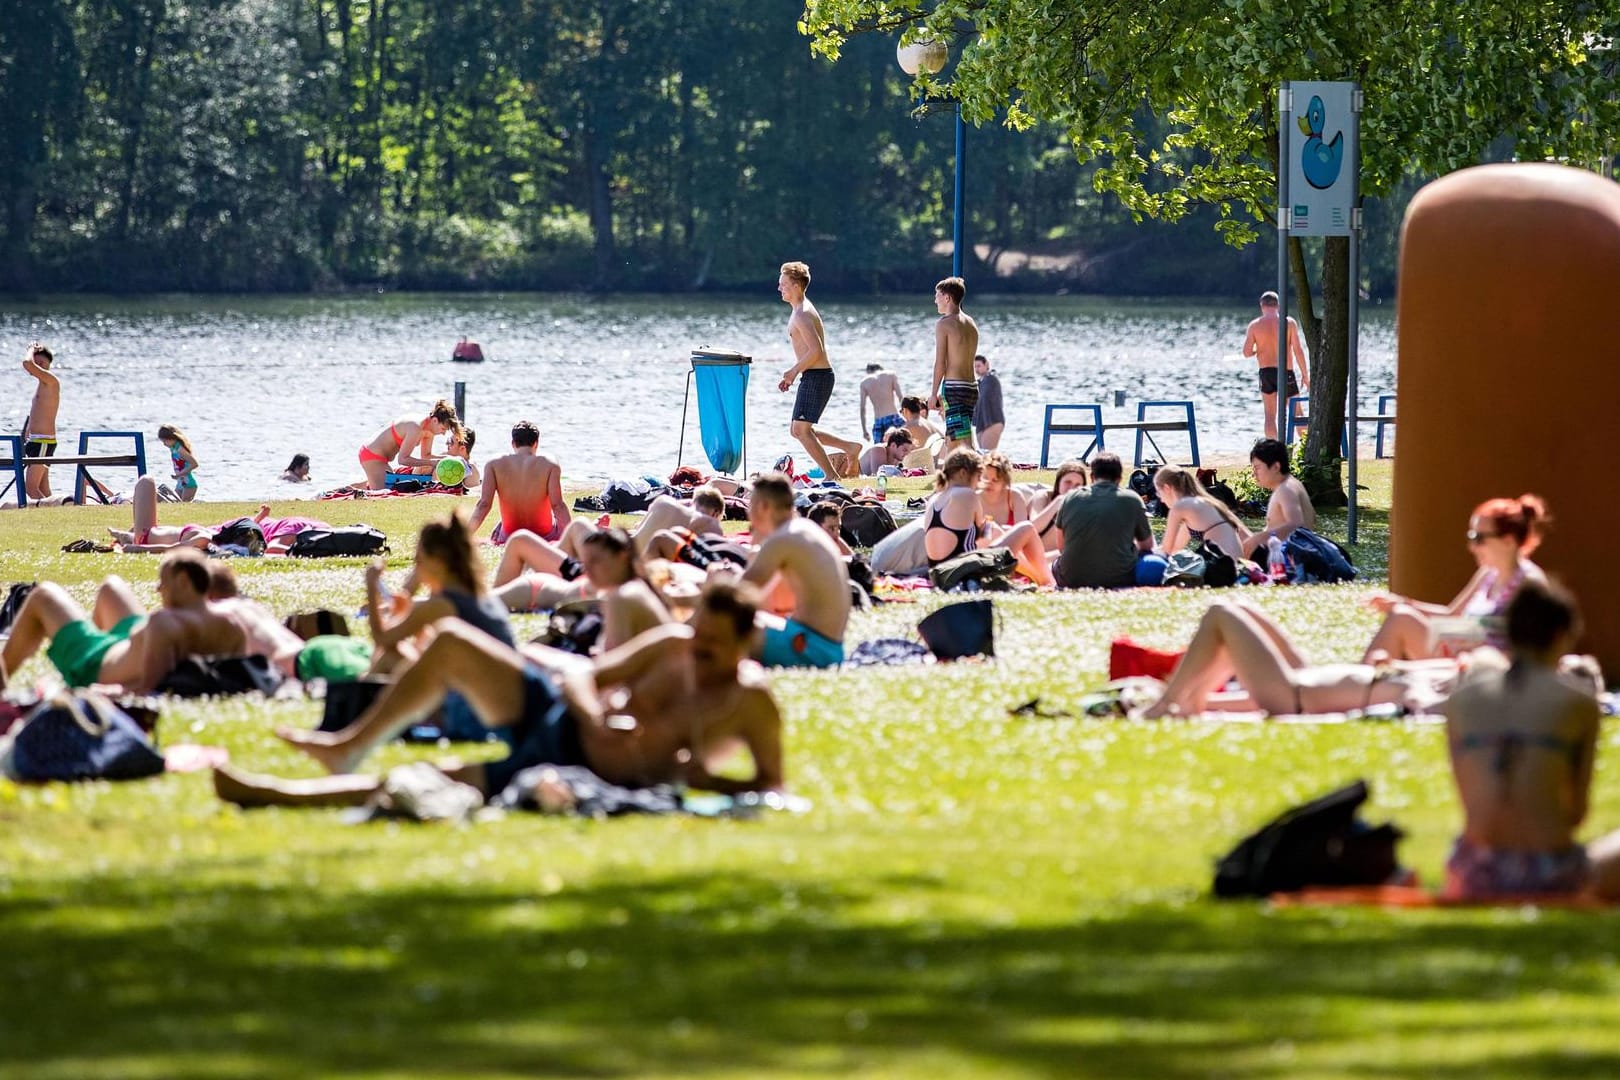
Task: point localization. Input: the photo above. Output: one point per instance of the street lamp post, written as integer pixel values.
(930, 55)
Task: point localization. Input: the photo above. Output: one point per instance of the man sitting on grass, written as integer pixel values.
(691, 697)
(1289, 507)
(118, 643)
(801, 558)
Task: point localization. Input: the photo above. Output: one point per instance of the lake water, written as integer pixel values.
(254, 380)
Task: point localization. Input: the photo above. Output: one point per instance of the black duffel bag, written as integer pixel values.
(350, 540)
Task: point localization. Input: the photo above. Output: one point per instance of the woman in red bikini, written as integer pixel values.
(409, 442)
(1502, 534)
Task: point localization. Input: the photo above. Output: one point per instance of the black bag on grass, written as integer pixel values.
(1220, 569)
(13, 603)
(350, 540)
(964, 629)
(345, 701)
(1323, 842)
(81, 735)
(221, 676)
(318, 623)
(989, 567)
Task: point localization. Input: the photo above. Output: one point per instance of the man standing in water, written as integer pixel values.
(882, 389)
(812, 368)
(39, 433)
(956, 341)
(1261, 343)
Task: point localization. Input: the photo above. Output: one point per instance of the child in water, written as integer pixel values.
(185, 461)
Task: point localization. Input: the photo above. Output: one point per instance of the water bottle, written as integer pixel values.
(883, 489)
(1276, 564)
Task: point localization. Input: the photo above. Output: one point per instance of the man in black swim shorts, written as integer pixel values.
(811, 368)
(1260, 342)
(693, 695)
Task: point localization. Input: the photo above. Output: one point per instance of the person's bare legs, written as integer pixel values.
(990, 437)
(255, 789)
(538, 592)
(143, 503)
(482, 670)
(1269, 403)
(376, 474)
(527, 551)
(851, 449)
(574, 536)
(1228, 639)
(1404, 635)
(47, 609)
(37, 482)
(1291, 656)
(1024, 542)
(115, 600)
(1603, 854)
(805, 432)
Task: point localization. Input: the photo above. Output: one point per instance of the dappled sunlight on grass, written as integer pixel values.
(974, 894)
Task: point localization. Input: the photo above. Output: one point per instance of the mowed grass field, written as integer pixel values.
(975, 894)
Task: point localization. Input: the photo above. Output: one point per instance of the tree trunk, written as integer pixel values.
(601, 201)
(1330, 375)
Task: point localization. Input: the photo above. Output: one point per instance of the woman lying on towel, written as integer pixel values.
(1236, 640)
(1502, 533)
(146, 536)
(1523, 740)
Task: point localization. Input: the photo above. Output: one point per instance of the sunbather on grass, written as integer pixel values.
(690, 697)
(1237, 640)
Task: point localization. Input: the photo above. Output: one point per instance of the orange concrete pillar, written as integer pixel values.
(1509, 378)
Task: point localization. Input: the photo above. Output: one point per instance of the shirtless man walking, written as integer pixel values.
(882, 389)
(1261, 343)
(812, 368)
(39, 432)
(690, 697)
(529, 486)
(809, 567)
(956, 341)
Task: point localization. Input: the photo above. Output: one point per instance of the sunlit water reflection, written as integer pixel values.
(254, 380)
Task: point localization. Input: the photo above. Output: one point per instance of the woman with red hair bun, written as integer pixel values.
(1502, 533)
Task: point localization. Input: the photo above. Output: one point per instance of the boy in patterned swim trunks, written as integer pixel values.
(956, 341)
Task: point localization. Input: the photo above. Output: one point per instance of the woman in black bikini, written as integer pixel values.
(955, 522)
(1523, 740)
(1195, 514)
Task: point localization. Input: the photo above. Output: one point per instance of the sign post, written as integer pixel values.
(1318, 194)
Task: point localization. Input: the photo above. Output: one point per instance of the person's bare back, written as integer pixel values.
(880, 389)
(811, 568)
(528, 486)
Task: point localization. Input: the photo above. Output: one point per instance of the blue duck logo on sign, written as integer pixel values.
(1320, 160)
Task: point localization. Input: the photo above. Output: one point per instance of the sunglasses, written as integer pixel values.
(1477, 537)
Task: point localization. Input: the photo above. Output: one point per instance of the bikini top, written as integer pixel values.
(1507, 746)
(965, 538)
(1491, 601)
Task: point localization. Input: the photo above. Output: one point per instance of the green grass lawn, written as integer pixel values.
(973, 895)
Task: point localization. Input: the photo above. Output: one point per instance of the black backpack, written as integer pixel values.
(864, 524)
(990, 567)
(630, 496)
(1323, 842)
(329, 543)
(1141, 482)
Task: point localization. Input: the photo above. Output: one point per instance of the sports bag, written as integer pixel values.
(82, 735)
(864, 524)
(963, 629)
(989, 567)
(1220, 569)
(1316, 558)
(329, 543)
(1186, 570)
(1323, 842)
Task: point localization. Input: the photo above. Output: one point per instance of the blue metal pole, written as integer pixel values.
(959, 216)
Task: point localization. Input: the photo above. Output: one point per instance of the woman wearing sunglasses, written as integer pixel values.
(1502, 533)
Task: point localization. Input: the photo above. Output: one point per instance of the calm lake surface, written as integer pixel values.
(254, 380)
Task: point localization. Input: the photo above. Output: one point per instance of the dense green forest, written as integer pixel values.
(660, 145)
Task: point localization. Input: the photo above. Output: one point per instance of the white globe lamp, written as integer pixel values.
(923, 54)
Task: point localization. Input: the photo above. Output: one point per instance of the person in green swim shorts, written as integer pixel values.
(116, 643)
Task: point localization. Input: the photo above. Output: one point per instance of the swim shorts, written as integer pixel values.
(40, 446)
(699, 550)
(796, 645)
(960, 396)
(77, 649)
(1475, 871)
(546, 734)
(1268, 381)
(815, 390)
(881, 426)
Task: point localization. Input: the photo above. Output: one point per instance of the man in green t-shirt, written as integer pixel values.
(1107, 541)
